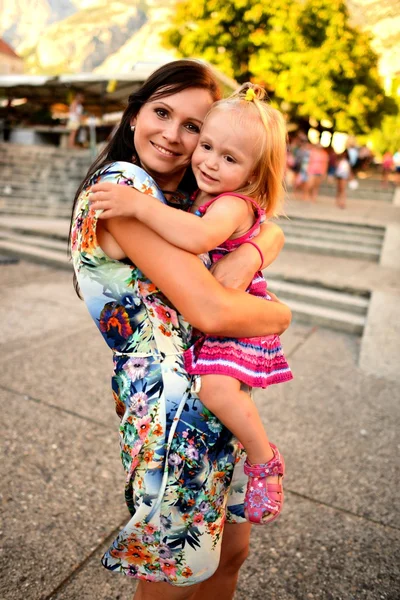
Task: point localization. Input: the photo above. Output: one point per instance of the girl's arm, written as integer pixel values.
(197, 295)
(236, 269)
(180, 228)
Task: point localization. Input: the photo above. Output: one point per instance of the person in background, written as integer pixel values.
(387, 168)
(75, 119)
(332, 164)
(302, 158)
(396, 162)
(342, 174)
(317, 169)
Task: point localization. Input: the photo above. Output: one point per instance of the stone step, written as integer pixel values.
(40, 209)
(332, 227)
(35, 253)
(344, 238)
(310, 304)
(332, 248)
(362, 193)
(39, 241)
(319, 296)
(325, 317)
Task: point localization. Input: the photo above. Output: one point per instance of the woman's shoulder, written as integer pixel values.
(126, 173)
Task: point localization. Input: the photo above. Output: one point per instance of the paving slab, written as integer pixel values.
(318, 553)
(50, 346)
(338, 538)
(25, 272)
(312, 552)
(52, 309)
(62, 493)
(69, 372)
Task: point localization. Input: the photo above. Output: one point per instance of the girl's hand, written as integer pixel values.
(274, 298)
(113, 200)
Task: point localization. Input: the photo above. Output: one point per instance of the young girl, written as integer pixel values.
(239, 165)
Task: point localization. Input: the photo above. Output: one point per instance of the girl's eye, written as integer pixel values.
(193, 128)
(160, 112)
(229, 159)
(205, 146)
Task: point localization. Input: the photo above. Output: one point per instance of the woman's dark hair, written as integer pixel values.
(172, 78)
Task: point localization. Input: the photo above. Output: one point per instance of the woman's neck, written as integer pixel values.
(167, 181)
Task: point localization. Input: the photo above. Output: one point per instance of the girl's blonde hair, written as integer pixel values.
(267, 185)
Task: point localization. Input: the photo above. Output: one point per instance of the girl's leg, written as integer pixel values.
(317, 185)
(163, 591)
(264, 466)
(341, 193)
(236, 410)
(234, 551)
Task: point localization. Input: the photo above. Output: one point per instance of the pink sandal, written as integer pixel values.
(264, 501)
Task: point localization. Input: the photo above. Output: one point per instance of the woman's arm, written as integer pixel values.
(182, 277)
(236, 269)
(180, 228)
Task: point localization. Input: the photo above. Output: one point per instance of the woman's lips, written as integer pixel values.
(164, 151)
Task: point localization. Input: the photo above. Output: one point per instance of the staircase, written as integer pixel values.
(335, 239)
(40, 180)
(311, 304)
(322, 306)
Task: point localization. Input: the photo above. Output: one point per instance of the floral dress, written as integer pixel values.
(184, 470)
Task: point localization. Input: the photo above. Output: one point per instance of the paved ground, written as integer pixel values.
(62, 483)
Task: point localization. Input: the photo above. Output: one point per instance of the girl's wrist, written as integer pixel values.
(260, 254)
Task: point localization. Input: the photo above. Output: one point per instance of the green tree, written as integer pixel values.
(307, 54)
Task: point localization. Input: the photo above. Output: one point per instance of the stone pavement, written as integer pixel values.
(62, 483)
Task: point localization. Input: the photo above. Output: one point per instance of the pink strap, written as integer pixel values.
(258, 250)
(204, 207)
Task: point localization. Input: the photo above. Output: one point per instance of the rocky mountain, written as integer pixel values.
(382, 19)
(109, 36)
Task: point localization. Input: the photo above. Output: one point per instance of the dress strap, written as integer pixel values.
(203, 208)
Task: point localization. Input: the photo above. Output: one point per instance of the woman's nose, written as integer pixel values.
(171, 133)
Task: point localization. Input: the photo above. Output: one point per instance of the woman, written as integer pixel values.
(179, 460)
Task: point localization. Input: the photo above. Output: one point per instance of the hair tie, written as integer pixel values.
(250, 95)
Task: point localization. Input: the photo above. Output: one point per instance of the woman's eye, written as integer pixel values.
(160, 112)
(193, 128)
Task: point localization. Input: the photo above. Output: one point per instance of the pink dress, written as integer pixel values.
(256, 361)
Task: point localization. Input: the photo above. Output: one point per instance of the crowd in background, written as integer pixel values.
(308, 165)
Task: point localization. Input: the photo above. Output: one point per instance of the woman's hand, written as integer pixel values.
(114, 200)
(236, 269)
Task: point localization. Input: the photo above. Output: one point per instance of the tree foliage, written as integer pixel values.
(306, 53)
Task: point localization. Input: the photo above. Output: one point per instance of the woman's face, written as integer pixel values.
(167, 131)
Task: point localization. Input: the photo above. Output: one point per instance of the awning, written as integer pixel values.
(103, 93)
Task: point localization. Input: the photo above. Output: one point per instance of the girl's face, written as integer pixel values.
(167, 131)
(225, 157)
